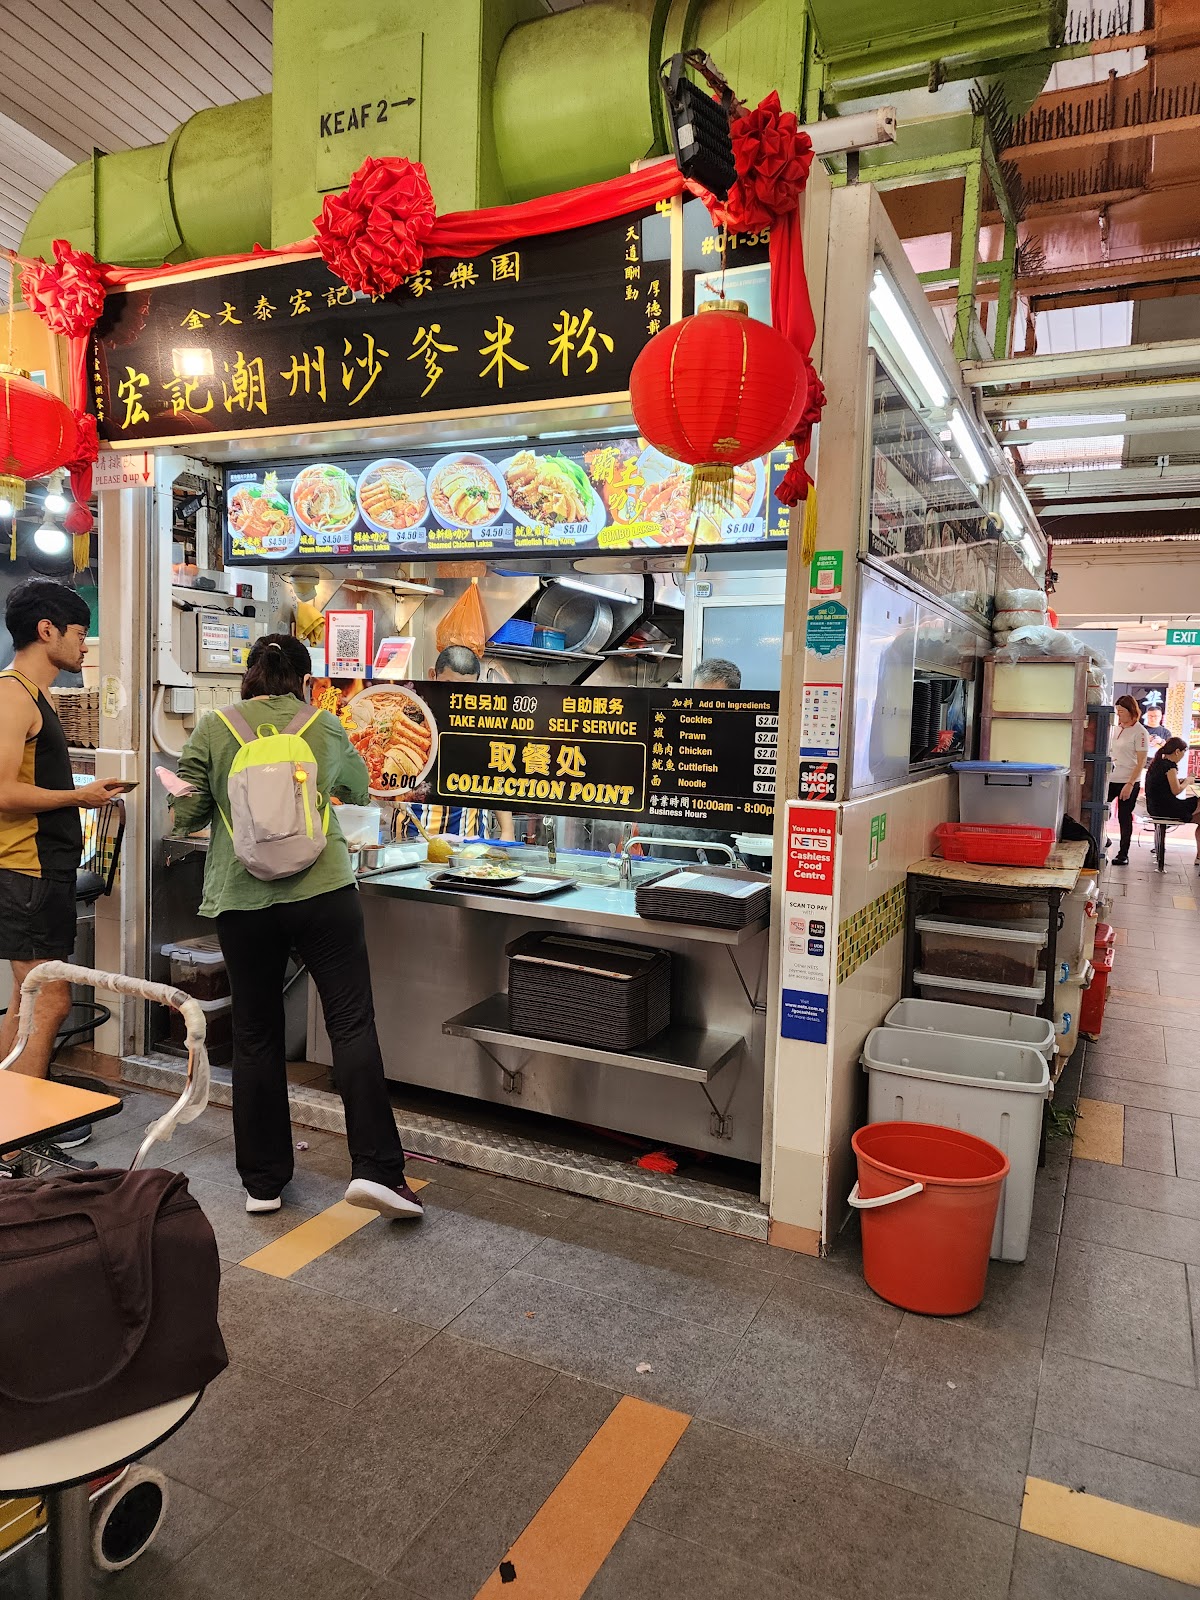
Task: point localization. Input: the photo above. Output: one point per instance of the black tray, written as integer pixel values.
(527, 887)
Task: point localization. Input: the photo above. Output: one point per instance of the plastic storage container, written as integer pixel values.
(1091, 1008)
(994, 844)
(360, 825)
(1009, 954)
(517, 630)
(975, 1022)
(1068, 998)
(1028, 794)
(198, 967)
(995, 1091)
(974, 992)
(218, 1019)
(549, 639)
(1077, 909)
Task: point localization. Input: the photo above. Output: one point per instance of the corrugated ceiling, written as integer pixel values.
(84, 75)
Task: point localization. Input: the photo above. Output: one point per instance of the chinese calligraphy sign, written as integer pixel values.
(286, 344)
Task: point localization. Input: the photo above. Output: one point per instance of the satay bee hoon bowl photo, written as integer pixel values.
(395, 733)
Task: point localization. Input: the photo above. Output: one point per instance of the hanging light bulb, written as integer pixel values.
(50, 538)
(56, 501)
(6, 507)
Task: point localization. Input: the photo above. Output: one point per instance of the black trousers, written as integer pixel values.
(327, 934)
(1124, 811)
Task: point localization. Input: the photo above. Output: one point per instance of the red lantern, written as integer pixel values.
(716, 390)
(37, 433)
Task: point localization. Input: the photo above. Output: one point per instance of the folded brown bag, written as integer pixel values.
(109, 1283)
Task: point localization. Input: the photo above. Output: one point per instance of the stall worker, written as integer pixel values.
(714, 672)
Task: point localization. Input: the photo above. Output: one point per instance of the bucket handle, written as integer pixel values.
(859, 1204)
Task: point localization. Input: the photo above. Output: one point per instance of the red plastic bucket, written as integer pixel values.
(928, 1198)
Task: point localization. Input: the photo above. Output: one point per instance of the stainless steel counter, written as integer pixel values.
(596, 904)
(439, 967)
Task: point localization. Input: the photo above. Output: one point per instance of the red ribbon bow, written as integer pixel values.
(68, 296)
(773, 156)
(372, 235)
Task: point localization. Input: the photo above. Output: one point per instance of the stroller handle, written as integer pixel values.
(194, 1098)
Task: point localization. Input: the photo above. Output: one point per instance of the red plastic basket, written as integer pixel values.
(995, 844)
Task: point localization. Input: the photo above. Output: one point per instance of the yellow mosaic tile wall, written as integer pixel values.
(868, 930)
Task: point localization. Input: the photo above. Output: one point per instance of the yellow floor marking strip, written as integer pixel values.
(286, 1255)
(1104, 1528)
(571, 1537)
(1183, 902)
(1100, 1132)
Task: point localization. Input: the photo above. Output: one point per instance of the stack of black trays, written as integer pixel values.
(719, 897)
(588, 991)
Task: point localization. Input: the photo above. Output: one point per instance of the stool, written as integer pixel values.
(63, 1469)
(1161, 824)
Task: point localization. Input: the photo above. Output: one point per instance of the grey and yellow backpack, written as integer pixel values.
(277, 821)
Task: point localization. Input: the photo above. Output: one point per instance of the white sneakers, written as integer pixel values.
(396, 1201)
(390, 1201)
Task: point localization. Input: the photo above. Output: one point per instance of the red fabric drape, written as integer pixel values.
(467, 233)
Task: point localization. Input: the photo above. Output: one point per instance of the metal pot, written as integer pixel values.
(585, 621)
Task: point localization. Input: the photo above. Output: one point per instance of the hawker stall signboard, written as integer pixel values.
(595, 494)
(289, 345)
(681, 756)
(926, 524)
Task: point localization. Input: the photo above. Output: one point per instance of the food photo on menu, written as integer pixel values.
(615, 493)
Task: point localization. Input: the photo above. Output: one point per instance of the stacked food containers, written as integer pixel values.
(982, 964)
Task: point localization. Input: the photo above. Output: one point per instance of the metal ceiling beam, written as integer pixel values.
(1022, 438)
(1085, 402)
(1168, 357)
(1095, 508)
(1118, 481)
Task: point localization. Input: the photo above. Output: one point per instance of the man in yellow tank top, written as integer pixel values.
(40, 836)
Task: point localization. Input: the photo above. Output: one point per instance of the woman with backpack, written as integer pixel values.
(278, 878)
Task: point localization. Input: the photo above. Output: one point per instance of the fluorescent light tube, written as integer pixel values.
(1010, 517)
(965, 441)
(899, 325)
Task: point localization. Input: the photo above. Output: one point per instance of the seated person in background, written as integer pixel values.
(717, 673)
(1164, 797)
(1155, 726)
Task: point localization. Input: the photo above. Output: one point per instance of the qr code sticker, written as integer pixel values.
(346, 643)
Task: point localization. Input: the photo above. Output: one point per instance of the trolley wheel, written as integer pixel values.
(127, 1517)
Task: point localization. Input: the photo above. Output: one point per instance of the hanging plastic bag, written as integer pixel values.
(465, 623)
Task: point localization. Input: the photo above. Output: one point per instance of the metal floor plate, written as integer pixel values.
(508, 1155)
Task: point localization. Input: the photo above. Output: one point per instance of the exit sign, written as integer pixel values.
(1184, 636)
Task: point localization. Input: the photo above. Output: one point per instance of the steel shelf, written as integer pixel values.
(694, 1054)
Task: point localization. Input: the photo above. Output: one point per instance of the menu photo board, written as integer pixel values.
(693, 758)
(588, 495)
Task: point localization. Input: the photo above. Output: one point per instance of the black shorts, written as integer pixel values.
(37, 917)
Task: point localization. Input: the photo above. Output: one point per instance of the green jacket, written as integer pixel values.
(205, 763)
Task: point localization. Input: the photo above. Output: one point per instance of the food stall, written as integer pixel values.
(370, 472)
(373, 471)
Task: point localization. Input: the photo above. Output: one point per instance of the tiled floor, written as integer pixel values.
(402, 1411)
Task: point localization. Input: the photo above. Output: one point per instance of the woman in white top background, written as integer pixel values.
(1127, 758)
